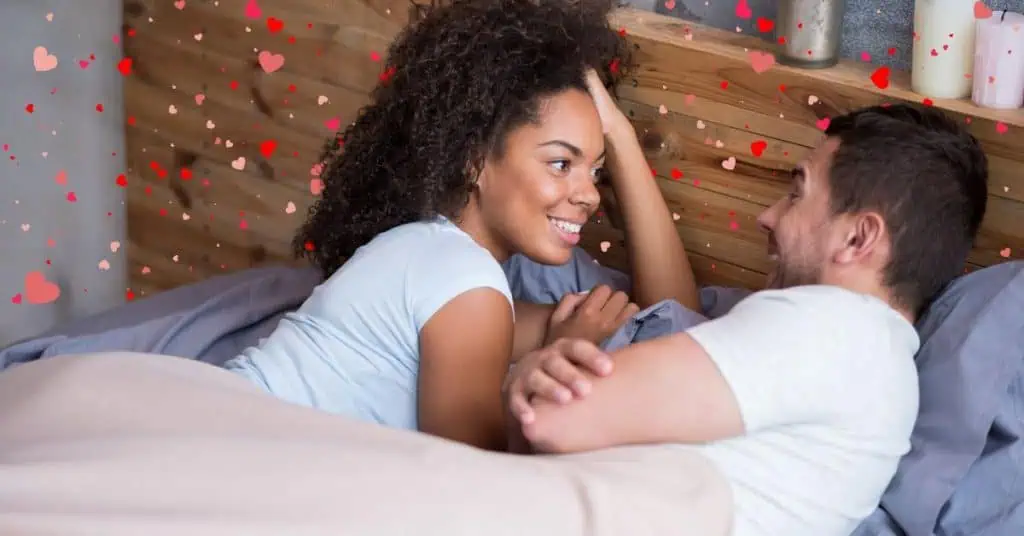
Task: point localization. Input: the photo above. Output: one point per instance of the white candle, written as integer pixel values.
(943, 48)
(999, 61)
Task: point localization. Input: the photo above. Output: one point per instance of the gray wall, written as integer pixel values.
(89, 145)
(871, 26)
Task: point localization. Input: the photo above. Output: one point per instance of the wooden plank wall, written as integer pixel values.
(220, 151)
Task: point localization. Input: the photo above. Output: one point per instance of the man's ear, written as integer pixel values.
(864, 235)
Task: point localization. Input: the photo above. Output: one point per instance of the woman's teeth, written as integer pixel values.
(566, 226)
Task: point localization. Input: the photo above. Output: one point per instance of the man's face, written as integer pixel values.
(798, 224)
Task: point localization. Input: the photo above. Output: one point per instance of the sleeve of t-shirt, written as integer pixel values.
(789, 356)
(448, 266)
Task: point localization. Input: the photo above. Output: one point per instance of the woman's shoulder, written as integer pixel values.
(436, 248)
(435, 236)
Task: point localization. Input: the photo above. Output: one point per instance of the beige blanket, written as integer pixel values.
(135, 444)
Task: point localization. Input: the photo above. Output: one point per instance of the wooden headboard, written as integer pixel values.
(220, 182)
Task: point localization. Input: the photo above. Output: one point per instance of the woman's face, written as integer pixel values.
(536, 196)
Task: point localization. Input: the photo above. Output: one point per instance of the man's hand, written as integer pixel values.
(593, 316)
(557, 373)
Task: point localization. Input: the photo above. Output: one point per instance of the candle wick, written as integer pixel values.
(1003, 17)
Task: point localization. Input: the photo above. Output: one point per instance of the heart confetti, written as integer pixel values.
(38, 290)
(43, 60)
(760, 61)
(269, 61)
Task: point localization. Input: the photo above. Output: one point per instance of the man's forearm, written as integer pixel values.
(664, 390)
(657, 258)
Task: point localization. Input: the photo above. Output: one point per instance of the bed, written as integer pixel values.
(143, 435)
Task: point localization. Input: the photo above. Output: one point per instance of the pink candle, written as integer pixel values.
(998, 80)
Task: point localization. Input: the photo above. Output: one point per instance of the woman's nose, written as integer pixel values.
(585, 193)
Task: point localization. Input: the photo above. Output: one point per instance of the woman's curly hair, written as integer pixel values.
(457, 81)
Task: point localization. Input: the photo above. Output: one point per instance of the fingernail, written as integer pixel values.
(582, 387)
(563, 395)
(605, 365)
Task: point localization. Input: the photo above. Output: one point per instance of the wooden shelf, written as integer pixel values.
(646, 25)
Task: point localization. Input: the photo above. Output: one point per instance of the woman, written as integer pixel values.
(482, 143)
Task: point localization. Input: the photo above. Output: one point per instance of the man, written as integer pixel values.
(805, 394)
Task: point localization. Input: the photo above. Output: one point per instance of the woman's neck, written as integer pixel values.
(471, 222)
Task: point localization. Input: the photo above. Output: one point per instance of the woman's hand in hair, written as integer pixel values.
(612, 118)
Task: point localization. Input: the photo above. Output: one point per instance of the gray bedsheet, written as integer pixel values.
(214, 320)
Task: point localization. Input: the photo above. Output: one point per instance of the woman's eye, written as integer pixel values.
(560, 166)
(596, 173)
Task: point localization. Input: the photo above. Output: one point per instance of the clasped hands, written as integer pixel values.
(562, 370)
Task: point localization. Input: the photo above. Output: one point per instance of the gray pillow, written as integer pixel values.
(963, 474)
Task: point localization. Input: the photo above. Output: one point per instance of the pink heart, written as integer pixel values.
(1001, 127)
(823, 123)
(316, 186)
(981, 11)
(333, 123)
(670, 4)
(760, 61)
(38, 290)
(252, 10)
(43, 60)
(180, 4)
(72, 197)
(270, 61)
(16, 299)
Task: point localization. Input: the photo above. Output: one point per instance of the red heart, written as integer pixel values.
(72, 197)
(881, 77)
(125, 66)
(16, 299)
(743, 10)
(765, 25)
(758, 147)
(267, 148)
(274, 24)
(676, 174)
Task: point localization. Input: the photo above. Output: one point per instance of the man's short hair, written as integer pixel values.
(927, 177)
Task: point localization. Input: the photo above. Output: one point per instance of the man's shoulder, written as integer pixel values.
(829, 301)
(830, 314)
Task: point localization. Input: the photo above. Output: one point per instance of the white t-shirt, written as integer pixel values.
(352, 348)
(827, 388)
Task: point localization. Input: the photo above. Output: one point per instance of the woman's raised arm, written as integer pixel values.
(657, 258)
